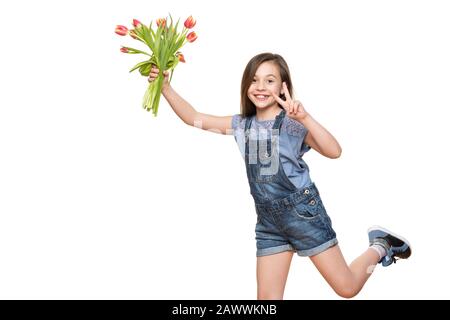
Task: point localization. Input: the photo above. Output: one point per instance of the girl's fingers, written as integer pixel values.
(286, 92)
(296, 107)
(153, 76)
(279, 100)
(155, 70)
(154, 73)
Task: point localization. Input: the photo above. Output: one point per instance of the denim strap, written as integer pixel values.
(279, 119)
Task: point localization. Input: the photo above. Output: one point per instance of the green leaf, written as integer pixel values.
(148, 37)
(145, 69)
(158, 36)
(154, 60)
(173, 36)
(152, 33)
(140, 64)
(180, 41)
(138, 35)
(136, 51)
(172, 63)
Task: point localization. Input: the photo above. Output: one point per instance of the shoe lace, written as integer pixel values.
(390, 251)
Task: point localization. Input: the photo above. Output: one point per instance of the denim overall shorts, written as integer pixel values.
(288, 218)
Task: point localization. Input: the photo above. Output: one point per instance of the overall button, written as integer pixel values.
(306, 191)
(312, 202)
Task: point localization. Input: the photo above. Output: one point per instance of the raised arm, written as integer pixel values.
(317, 137)
(187, 113)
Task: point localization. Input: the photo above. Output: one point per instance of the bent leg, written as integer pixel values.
(271, 275)
(345, 280)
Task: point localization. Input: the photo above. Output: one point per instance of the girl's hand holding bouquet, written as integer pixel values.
(154, 73)
(164, 42)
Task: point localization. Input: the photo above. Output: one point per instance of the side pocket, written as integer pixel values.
(309, 210)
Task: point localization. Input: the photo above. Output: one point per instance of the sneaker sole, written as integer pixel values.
(374, 228)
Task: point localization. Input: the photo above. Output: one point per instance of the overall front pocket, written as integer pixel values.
(308, 209)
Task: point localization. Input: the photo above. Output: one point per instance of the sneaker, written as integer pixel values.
(396, 246)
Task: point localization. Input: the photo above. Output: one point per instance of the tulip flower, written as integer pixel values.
(161, 21)
(181, 57)
(190, 22)
(191, 37)
(164, 43)
(133, 34)
(136, 23)
(121, 30)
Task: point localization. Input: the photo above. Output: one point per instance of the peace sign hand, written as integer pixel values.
(294, 108)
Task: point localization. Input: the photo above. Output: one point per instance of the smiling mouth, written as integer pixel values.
(261, 97)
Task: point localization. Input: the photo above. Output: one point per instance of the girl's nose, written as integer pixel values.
(260, 85)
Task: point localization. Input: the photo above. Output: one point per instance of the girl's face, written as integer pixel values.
(267, 80)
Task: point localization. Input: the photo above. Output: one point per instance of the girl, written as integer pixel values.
(273, 132)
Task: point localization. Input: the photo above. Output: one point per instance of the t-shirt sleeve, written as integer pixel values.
(304, 147)
(237, 122)
(298, 132)
(238, 126)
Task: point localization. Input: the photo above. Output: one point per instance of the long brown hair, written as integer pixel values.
(247, 107)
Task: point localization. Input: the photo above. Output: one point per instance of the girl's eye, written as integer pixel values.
(269, 81)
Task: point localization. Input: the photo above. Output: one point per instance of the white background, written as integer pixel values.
(100, 200)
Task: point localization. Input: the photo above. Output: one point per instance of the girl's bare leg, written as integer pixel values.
(345, 280)
(271, 275)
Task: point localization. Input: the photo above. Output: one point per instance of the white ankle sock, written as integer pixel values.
(379, 249)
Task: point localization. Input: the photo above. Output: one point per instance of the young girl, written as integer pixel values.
(273, 132)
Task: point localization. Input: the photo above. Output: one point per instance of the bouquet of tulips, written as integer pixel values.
(164, 42)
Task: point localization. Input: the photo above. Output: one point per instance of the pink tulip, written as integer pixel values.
(124, 50)
(191, 37)
(121, 30)
(161, 21)
(136, 23)
(190, 22)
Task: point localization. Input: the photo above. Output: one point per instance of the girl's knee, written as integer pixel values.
(347, 290)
